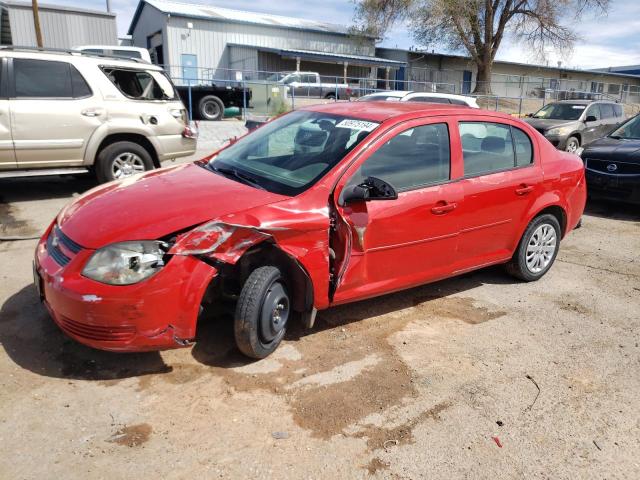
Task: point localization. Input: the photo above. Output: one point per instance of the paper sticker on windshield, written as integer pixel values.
(357, 125)
(579, 107)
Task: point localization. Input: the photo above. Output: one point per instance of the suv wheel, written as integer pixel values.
(572, 145)
(211, 108)
(537, 249)
(122, 159)
(262, 312)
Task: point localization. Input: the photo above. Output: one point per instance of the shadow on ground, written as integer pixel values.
(43, 188)
(613, 210)
(216, 345)
(34, 342)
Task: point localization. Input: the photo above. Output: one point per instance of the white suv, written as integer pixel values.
(63, 112)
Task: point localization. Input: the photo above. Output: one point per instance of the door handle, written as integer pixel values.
(443, 207)
(91, 112)
(524, 189)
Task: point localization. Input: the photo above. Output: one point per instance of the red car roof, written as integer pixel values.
(383, 110)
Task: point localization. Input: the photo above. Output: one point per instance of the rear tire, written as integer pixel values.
(330, 96)
(537, 249)
(121, 160)
(262, 312)
(211, 108)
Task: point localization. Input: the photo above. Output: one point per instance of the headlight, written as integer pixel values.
(559, 131)
(126, 262)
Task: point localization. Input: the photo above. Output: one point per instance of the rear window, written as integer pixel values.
(48, 79)
(141, 84)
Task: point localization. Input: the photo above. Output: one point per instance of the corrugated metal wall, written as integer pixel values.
(208, 41)
(61, 28)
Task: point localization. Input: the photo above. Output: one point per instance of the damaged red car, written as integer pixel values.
(321, 206)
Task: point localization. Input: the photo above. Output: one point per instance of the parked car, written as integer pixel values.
(570, 124)
(429, 97)
(613, 164)
(135, 53)
(310, 84)
(322, 206)
(70, 112)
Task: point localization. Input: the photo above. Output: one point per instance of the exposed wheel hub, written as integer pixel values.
(275, 312)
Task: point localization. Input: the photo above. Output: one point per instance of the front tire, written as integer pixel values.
(211, 108)
(121, 160)
(537, 249)
(262, 312)
(573, 144)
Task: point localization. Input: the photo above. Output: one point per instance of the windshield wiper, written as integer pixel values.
(244, 178)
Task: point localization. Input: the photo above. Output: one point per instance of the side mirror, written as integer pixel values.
(529, 115)
(590, 118)
(371, 189)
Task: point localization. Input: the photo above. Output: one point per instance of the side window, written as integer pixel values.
(430, 100)
(416, 157)
(309, 79)
(593, 110)
(486, 147)
(141, 84)
(79, 86)
(524, 150)
(606, 110)
(42, 79)
(617, 108)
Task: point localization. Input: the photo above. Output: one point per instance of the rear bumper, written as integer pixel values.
(174, 146)
(158, 313)
(614, 187)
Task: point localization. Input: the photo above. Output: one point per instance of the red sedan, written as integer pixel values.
(322, 206)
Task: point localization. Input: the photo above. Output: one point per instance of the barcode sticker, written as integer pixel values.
(357, 125)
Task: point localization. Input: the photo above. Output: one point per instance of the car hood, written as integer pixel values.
(156, 204)
(607, 148)
(546, 124)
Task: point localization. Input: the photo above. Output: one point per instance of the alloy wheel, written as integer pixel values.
(127, 164)
(541, 248)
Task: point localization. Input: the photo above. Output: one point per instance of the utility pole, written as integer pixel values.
(109, 6)
(36, 23)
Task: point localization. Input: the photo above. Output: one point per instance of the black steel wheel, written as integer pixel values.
(262, 312)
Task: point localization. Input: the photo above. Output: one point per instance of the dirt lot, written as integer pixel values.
(474, 377)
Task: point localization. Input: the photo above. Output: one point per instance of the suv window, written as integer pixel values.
(606, 110)
(488, 147)
(141, 84)
(617, 108)
(416, 157)
(593, 110)
(48, 79)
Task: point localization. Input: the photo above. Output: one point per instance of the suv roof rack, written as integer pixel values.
(65, 51)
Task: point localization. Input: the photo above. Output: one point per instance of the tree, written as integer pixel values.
(478, 26)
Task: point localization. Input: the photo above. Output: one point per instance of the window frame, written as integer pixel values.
(143, 70)
(393, 132)
(10, 83)
(513, 146)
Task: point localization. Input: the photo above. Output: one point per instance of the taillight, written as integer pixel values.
(190, 131)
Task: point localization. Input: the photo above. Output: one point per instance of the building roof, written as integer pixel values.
(326, 56)
(210, 12)
(521, 64)
(62, 8)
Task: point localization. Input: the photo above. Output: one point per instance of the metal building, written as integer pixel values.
(62, 27)
(196, 41)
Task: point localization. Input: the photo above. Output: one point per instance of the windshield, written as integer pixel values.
(291, 153)
(629, 129)
(560, 111)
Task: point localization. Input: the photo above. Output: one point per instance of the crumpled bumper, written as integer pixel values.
(158, 313)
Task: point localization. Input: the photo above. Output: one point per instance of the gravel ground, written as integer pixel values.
(473, 377)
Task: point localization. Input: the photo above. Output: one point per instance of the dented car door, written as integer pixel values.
(385, 245)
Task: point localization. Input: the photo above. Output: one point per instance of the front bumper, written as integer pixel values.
(558, 141)
(158, 313)
(619, 188)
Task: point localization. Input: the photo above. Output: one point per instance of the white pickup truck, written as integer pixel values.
(309, 84)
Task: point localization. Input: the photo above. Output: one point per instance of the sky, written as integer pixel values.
(610, 40)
